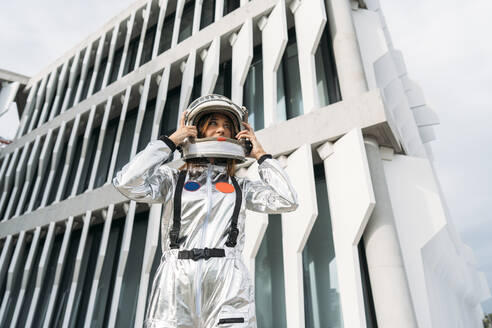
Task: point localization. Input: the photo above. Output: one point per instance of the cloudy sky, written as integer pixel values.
(447, 49)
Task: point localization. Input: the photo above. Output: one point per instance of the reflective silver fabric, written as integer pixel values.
(187, 293)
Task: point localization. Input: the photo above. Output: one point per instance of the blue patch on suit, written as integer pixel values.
(192, 186)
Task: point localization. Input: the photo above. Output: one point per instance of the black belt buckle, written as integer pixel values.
(200, 253)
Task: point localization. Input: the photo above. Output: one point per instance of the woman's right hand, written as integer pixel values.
(183, 131)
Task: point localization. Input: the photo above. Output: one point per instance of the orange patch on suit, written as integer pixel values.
(224, 187)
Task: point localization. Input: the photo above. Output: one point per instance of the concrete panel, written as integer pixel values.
(28, 269)
(274, 40)
(186, 83)
(108, 218)
(27, 111)
(74, 71)
(197, 13)
(109, 64)
(125, 99)
(296, 227)
(60, 265)
(62, 81)
(97, 64)
(145, 14)
(5, 257)
(163, 82)
(211, 59)
(255, 225)
(124, 250)
(310, 20)
(41, 272)
(31, 170)
(39, 101)
(129, 29)
(100, 142)
(177, 22)
(18, 181)
(13, 275)
(50, 93)
(144, 93)
(8, 179)
(54, 163)
(68, 158)
(151, 244)
(76, 271)
(352, 201)
(83, 73)
(158, 32)
(83, 153)
(242, 55)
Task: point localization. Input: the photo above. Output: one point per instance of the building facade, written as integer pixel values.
(371, 245)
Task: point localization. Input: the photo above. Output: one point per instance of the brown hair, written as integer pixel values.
(203, 124)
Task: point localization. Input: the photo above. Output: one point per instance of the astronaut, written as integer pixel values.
(202, 280)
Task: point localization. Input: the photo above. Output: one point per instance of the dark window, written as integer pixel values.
(66, 279)
(326, 73)
(89, 160)
(115, 65)
(208, 13)
(148, 45)
(170, 115)
(100, 75)
(223, 85)
(231, 5)
(63, 92)
(131, 278)
(196, 92)
(321, 294)
(48, 281)
(371, 321)
(58, 173)
(186, 21)
(31, 286)
(147, 125)
(87, 82)
(16, 284)
(166, 34)
(126, 139)
(106, 152)
(253, 91)
(269, 277)
(42, 186)
(73, 166)
(74, 91)
(131, 56)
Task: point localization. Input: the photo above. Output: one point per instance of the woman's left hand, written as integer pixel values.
(257, 151)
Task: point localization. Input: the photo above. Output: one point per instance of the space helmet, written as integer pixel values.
(216, 147)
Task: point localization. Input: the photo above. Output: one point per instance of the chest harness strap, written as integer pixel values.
(205, 253)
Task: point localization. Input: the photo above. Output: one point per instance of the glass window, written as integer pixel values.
(87, 82)
(104, 293)
(73, 92)
(186, 21)
(230, 5)
(131, 278)
(269, 277)
(253, 91)
(58, 173)
(66, 279)
(49, 278)
(63, 93)
(31, 285)
(371, 320)
(131, 56)
(321, 295)
(326, 74)
(9, 309)
(147, 125)
(148, 45)
(126, 139)
(197, 88)
(166, 34)
(85, 176)
(224, 80)
(115, 67)
(106, 152)
(73, 166)
(100, 75)
(170, 114)
(208, 13)
(44, 180)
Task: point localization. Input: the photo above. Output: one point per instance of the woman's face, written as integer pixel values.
(219, 126)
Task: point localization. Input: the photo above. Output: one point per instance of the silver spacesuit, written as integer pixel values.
(202, 280)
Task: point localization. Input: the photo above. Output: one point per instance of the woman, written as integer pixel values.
(202, 280)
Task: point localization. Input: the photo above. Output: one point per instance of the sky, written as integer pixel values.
(447, 49)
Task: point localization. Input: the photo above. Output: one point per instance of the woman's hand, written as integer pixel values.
(183, 131)
(249, 133)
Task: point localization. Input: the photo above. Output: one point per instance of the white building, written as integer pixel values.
(371, 244)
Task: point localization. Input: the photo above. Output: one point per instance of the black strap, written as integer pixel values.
(174, 233)
(196, 254)
(233, 230)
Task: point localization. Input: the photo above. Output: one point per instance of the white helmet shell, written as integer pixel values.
(215, 147)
